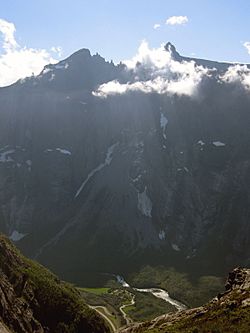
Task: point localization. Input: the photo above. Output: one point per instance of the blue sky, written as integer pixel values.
(215, 29)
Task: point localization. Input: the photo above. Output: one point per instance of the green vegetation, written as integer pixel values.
(147, 307)
(112, 299)
(59, 303)
(179, 286)
(228, 313)
(55, 304)
(96, 291)
(220, 318)
(108, 315)
(62, 308)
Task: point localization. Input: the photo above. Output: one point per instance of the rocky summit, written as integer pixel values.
(104, 167)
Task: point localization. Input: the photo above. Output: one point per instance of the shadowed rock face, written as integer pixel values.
(91, 184)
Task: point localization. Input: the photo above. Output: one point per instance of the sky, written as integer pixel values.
(36, 32)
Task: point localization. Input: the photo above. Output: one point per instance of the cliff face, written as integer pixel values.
(229, 312)
(34, 300)
(134, 177)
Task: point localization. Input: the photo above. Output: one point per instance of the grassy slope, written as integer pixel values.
(96, 291)
(227, 318)
(55, 304)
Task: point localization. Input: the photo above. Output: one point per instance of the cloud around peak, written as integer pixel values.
(17, 61)
(154, 70)
(237, 74)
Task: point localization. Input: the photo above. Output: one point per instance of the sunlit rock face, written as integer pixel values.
(104, 167)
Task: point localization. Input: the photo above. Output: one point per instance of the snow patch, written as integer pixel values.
(61, 65)
(60, 150)
(52, 77)
(4, 157)
(29, 164)
(46, 70)
(16, 236)
(108, 160)
(175, 247)
(109, 154)
(144, 203)
(63, 151)
(163, 123)
(162, 235)
(136, 179)
(218, 144)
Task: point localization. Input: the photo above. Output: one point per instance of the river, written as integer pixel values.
(159, 293)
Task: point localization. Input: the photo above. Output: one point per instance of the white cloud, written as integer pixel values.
(156, 71)
(157, 26)
(247, 46)
(237, 74)
(18, 62)
(58, 50)
(177, 20)
(7, 29)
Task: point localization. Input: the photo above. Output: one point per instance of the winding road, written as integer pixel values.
(104, 315)
(125, 316)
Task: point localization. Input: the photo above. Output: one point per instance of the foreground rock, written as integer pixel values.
(228, 312)
(32, 299)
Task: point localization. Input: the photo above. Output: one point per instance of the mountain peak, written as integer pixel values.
(80, 55)
(172, 50)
